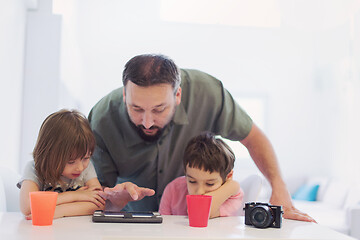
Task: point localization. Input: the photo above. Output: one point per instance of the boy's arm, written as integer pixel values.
(27, 186)
(220, 195)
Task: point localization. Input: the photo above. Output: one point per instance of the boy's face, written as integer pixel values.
(75, 167)
(200, 182)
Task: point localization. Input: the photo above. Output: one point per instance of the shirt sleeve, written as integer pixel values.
(165, 203)
(233, 122)
(89, 172)
(233, 205)
(207, 100)
(103, 162)
(29, 174)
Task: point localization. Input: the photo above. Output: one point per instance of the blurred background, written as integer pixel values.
(292, 65)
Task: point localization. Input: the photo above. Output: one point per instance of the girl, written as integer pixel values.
(62, 164)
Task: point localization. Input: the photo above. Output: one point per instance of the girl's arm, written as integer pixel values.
(76, 209)
(89, 193)
(27, 186)
(220, 195)
(79, 206)
(72, 203)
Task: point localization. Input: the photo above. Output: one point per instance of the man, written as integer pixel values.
(142, 129)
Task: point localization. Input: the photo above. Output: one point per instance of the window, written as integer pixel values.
(255, 107)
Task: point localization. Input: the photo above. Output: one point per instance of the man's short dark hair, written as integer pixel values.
(151, 69)
(210, 154)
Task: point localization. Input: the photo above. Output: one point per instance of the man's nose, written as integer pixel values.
(148, 120)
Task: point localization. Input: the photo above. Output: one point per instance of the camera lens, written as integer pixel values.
(261, 216)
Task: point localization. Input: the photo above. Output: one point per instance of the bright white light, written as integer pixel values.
(60, 7)
(255, 13)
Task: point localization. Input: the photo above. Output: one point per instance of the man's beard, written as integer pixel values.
(148, 138)
(144, 136)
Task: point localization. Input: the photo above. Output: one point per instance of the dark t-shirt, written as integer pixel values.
(121, 155)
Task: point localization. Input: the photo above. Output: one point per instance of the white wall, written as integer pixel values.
(304, 60)
(41, 95)
(12, 39)
(303, 63)
(29, 75)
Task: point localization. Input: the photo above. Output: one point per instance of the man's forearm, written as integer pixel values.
(263, 154)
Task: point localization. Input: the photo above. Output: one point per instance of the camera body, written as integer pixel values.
(263, 215)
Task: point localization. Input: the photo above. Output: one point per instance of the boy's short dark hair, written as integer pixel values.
(209, 153)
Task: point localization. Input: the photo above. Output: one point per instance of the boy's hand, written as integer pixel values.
(125, 192)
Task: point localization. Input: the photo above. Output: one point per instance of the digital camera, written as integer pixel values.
(263, 215)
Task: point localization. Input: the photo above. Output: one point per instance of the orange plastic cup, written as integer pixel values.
(42, 206)
(198, 210)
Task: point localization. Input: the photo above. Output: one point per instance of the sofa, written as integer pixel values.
(330, 201)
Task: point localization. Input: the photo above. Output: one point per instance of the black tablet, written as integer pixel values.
(127, 217)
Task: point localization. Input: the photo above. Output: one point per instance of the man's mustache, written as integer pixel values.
(151, 128)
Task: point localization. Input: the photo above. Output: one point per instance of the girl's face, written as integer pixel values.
(75, 167)
(200, 182)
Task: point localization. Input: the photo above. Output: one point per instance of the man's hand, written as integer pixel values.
(125, 192)
(265, 159)
(282, 198)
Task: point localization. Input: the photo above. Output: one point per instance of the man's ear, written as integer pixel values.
(124, 94)
(178, 96)
(230, 175)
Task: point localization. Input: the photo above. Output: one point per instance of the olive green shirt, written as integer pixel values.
(122, 155)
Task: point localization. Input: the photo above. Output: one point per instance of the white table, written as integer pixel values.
(14, 226)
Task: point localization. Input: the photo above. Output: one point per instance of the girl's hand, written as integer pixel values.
(90, 194)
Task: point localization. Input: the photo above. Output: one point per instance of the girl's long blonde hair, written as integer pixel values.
(63, 135)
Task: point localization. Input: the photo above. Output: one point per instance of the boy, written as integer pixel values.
(208, 163)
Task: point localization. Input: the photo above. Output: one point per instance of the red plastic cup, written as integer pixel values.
(198, 210)
(42, 206)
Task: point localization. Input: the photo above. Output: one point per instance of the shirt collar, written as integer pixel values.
(180, 116)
